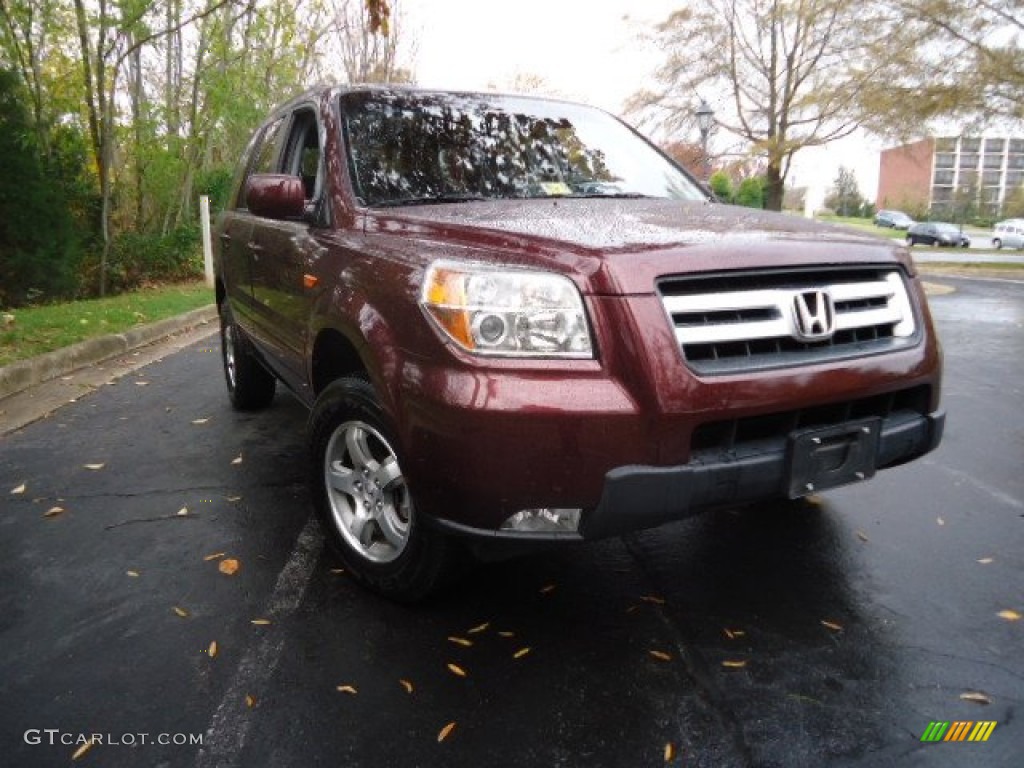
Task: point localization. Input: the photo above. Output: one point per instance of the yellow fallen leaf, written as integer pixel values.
(660, 655)
(976, 696)
(250, 700)
(862, 536)
(407, 685)
(832, 625)
(133, 574)
(479, 628)
(183, 511)
(521, 652)
(212, 650)
(1009, 615)
(94, 467)
(987, 560)
(237, 459)
(260, 622)
(445, 732)
(18, 489)
(653, 599)
(506, 633)
(734, 664)
(337, 571)
(229, 566)
(460, 641)
(180, 611)
(732, 634)
(53, 511)
(549, 588)
(82, 750)
(214, 556)
(141, 383)
(670, 752)
(233, 499)
(347, 689)
(199, 421)
(455, 669)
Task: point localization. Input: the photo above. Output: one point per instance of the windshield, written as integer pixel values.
(412, 147)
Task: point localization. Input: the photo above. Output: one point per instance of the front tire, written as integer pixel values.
(997, 243)
(362, 499)
(910, 241)
(250, 385)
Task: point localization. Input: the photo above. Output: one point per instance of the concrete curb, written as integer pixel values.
(27, 373)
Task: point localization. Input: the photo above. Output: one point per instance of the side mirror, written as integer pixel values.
(275, 196)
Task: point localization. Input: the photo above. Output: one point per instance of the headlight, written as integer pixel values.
(491, 311)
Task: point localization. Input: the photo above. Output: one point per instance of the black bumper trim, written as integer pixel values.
(638, 497)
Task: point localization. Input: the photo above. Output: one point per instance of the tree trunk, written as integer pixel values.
(774, 188)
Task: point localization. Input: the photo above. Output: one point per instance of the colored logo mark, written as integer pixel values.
(960, 730)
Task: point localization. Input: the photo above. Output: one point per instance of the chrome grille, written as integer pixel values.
(732, 323)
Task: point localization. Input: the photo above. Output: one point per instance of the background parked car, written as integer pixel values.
(1009, 233)
(937, 233)
(893, 219)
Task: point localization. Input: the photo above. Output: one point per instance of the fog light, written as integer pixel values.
(543, 521)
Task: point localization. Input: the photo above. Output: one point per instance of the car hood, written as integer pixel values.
(632, 241)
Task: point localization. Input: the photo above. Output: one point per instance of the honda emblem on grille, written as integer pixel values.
(814, 314)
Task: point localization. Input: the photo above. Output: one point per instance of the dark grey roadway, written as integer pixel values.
(850, 625)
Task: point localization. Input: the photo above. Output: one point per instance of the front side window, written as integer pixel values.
(408, 148)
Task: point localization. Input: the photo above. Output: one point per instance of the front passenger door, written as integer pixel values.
(285, 281)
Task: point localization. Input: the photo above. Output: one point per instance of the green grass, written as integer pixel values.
(35, 330)
(865, 225)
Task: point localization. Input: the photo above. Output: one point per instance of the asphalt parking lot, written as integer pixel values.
(161, 581)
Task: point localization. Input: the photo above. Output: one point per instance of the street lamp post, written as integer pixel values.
(705, 122)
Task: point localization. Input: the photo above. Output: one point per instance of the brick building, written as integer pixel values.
(949, 173)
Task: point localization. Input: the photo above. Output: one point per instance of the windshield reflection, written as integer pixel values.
(413, 148)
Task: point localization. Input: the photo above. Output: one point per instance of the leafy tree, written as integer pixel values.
(790, 69)
(37, 241)
(845, 198)
(690, 156)
(1013, 208)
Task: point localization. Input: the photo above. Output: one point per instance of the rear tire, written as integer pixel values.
(997, 243)
(910, 241)
(250, 385)
(363, 501)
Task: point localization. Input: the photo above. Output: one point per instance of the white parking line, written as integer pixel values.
(229, 727)
(995, 493)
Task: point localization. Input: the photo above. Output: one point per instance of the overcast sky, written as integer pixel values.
(586, 50)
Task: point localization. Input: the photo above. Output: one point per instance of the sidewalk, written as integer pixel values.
(31, 389)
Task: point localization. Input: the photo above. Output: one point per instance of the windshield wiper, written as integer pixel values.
(429, 200)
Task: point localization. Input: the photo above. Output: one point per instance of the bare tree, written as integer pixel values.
(790, 71)
(368, 49)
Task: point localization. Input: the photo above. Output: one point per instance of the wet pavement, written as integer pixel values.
(829, 633)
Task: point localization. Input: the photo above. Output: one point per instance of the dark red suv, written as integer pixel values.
(515, 320)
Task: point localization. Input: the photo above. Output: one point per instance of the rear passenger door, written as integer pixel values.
(285, 281)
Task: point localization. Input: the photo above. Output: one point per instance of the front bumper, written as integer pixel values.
(638, 497)
(642, 497)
